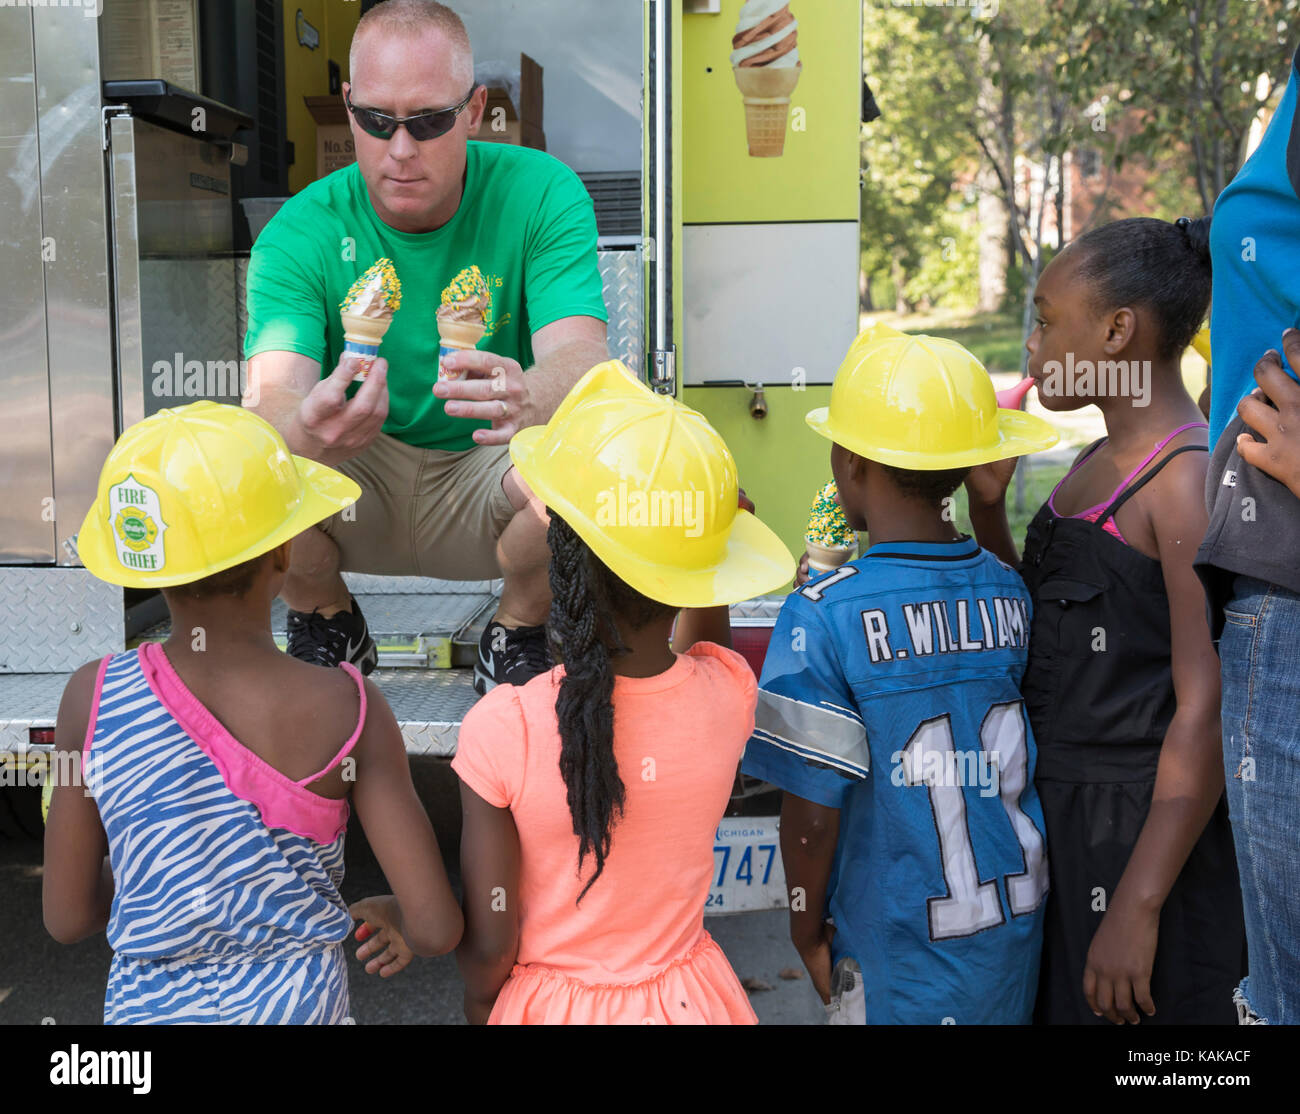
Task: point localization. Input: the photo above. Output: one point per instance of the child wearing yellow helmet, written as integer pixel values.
(889, 711)
(1122, 686)
(592, 794)
(204, 782)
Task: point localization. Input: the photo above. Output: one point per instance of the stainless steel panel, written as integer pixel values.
(623, 275)
(747, 320)
(183, 191)
(189, 342)
(73, 214)
(56, 619)
(126, 270)
(27, 536)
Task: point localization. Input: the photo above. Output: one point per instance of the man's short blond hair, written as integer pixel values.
(410, 17)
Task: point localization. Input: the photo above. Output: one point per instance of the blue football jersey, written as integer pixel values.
(891, 691)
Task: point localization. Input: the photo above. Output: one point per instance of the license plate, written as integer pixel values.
(747, 871)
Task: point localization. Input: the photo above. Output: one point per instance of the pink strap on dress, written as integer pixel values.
(355, 674)
(281, 801)
(1093, 513)
(89, 740)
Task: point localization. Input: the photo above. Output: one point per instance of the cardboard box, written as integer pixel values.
(150, 39)
(334, 146)
(503, 123)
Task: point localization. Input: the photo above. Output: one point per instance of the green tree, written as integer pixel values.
(1193, 73)
(914, 154)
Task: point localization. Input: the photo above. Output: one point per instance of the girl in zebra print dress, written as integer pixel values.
(208, 838)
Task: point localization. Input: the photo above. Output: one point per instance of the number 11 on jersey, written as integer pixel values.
(929, 759)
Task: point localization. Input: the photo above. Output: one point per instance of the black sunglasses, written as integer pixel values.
(422, 126)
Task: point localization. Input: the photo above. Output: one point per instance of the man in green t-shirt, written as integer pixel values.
(439, 496)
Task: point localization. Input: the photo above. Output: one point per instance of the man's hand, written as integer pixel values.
(328, 427)
(483, 386)
(1272, 412)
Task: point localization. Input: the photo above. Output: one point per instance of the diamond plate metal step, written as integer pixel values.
(411, 629)
(429, 705)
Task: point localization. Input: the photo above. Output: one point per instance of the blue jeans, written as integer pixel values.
(1260, 655)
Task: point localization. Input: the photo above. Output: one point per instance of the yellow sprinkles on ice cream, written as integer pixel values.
(468, 285)
(827, 525)
(390, 284)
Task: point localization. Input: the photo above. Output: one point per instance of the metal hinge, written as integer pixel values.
(106, 114)
(663, 371)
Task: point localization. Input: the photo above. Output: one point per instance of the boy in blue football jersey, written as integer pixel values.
(890, 713)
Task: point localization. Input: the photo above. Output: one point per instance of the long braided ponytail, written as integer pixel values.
(585, 597)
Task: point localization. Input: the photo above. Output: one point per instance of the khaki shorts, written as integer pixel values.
(424, 512)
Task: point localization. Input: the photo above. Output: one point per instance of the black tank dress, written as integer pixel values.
(1100, 696)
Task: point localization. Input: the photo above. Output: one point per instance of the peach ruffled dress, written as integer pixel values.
(636, 950)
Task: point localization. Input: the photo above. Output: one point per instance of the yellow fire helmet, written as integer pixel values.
(192, 491)
(1201, 342)
(651, 487)
(922, 403)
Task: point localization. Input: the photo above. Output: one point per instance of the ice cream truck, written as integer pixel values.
(149, 142)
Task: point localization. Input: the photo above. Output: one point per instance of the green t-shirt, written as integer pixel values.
(526, 220)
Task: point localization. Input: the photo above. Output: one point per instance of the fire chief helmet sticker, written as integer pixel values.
(135, 514)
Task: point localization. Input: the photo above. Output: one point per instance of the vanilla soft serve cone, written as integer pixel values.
(367, 313)
(830, 540)
(462, 317)
(765, 63)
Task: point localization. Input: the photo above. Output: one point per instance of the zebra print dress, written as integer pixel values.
(226, 905)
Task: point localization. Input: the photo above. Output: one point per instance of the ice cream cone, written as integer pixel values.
(824, 558)
(457, 336)
(361, 338)
(461, 334)
(767, 90)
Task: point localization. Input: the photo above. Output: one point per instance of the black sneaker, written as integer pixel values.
(344, 636)
(510, 656)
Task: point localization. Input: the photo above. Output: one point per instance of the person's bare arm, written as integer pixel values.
(77, 884)
(809, 833)
(564, 351)
(423, 910)
(1189, 777)
(314, 415)
(986, 491)
(489, 857)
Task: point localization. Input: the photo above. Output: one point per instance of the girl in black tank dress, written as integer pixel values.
(1144, 918)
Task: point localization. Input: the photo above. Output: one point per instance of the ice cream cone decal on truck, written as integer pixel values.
(765, 62)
